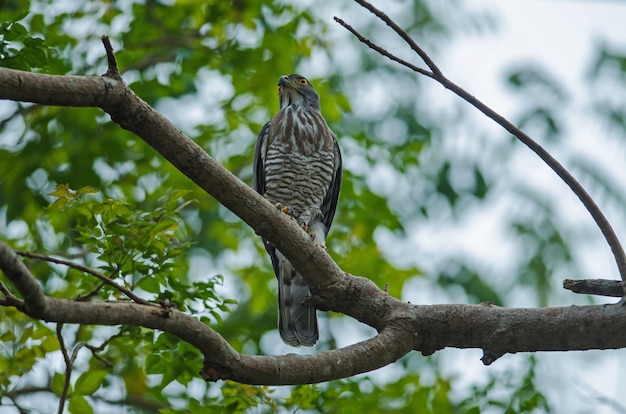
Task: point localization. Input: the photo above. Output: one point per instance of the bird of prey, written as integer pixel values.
(297, 166)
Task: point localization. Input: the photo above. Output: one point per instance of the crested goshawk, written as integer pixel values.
(297, 166)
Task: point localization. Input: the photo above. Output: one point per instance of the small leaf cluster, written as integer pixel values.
(138, 247)
(24, 342)
(142, 250)
(86, 385)
(407, 394)
(19, 50)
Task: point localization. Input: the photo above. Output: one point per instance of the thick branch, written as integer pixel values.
(24, 282)
(424, 328)
(133, 114)
(289, 369)
(81, 91)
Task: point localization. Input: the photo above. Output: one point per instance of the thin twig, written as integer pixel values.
(574, 185)
(577, 188)
(112, 71)
(98, 357)
(89, 295)
(19, 408)
(85, 269)
(68, 367)
(9, 299)
(383, 51)
(404, 35)
(95, 349)
(6, 291)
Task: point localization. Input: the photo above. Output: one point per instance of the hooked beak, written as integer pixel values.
(283, 82)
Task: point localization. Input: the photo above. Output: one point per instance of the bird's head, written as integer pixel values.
(296, 90)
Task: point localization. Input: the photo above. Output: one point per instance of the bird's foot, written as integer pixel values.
(288, 210)
(312, 235)
(305, 227)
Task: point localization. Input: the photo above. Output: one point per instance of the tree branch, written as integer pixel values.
(87, 270)
(601, 287)
(133, 114)
(382, 50)
(404, 35)
(9, 299)
(112, 71)
(70, 90)
(591, 206)
(24, 282)
(69, 363)
(423, 328)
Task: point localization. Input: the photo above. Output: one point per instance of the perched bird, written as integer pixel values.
(297, 166)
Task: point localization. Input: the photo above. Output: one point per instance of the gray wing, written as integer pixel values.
(258, 183)
(329, 204)
(258, 165)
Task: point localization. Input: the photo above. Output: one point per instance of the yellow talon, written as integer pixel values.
(284, 209)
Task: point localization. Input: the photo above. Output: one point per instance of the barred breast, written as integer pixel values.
(300, 159)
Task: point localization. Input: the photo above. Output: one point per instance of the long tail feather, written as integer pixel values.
(297, 323)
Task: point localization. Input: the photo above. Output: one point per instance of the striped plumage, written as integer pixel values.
(297, 163)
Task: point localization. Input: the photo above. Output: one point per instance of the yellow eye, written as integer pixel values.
(303, 82)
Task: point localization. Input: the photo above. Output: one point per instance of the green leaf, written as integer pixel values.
(480, 185)
(150, 285)
(16, 31)
(36, 58)
(155, 364)
(37, 23)
(58, 381)
(90, 381)
(50, 344)
(62, 190)
(26, 358)
(86, 190)
(79, 405)
(7, 336)
(165, 225)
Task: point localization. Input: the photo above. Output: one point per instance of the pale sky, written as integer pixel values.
(560, 35)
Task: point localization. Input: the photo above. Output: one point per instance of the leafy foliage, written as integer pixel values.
(401, 396)
(212, 66)
(18, 50)
(525, 397)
